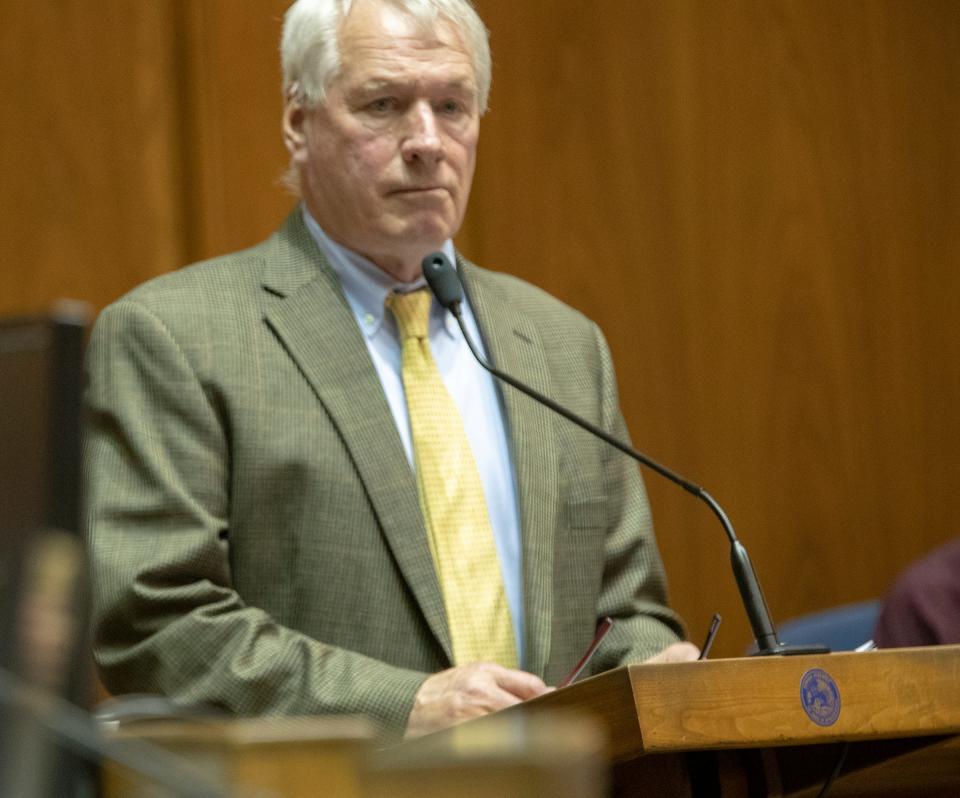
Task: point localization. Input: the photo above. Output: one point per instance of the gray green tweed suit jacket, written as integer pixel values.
(253, 521)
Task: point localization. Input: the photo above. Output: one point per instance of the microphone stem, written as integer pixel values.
(747, 583)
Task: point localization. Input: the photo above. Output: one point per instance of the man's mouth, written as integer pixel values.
(419, 190)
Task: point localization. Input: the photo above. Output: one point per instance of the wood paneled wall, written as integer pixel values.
(91, 163)
(758, 200)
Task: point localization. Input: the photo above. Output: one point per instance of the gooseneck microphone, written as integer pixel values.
(445, 284)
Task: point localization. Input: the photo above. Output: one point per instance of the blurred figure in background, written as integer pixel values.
(923, 606)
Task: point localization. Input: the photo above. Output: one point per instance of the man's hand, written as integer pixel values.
(469, 691)
(676, 652)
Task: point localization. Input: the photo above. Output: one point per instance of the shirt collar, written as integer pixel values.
(366, 285)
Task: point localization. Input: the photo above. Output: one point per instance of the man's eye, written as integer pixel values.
(450, 107)
(382, 105)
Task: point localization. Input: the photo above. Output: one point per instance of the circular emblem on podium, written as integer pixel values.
(820, 697)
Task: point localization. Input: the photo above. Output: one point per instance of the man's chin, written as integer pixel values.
(425, 234)
(401, 252)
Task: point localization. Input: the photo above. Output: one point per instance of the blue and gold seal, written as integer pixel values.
(820, 697)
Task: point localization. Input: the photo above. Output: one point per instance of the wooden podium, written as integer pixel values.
(739, 727)
(778, 726)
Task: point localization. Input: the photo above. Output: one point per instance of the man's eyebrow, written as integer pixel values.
(382, 84)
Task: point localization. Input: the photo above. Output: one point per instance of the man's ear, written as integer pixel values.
(294, 135)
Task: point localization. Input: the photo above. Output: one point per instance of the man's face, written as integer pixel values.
(387, 160)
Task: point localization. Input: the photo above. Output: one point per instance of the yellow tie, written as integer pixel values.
(452, 499)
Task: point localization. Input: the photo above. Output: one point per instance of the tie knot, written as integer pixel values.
(412, 312)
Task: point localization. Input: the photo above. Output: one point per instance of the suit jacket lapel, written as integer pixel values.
(311, 316)
(514, 345)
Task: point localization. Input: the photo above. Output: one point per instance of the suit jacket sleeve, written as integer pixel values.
(167, 617)
(634, 588)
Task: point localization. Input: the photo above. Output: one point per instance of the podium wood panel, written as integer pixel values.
(918, 767)
(511, 756)
(883, 694)
(755, 702)
(514, 757)
(288, 757)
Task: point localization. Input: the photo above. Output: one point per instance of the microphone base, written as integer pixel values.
(784, 650)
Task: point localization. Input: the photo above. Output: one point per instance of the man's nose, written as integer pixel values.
(422, 141)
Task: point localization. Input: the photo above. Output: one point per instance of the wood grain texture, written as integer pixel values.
(606, 698)
(292, 757)
(232, 106)
(89, 150)
(930, 772)
(551, 754)
(758, 202)
(755, 702)
(750, 703)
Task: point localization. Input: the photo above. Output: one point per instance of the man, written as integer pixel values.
(263, 505)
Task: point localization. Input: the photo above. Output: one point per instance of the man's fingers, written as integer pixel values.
(676, 652)
(469, 691)
(521, 684)
(496, 698)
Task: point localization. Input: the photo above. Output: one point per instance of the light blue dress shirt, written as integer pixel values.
(473, 390)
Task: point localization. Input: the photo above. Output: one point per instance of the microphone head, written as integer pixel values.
(443, 280)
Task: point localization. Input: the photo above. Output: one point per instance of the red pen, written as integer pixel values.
(605, 625)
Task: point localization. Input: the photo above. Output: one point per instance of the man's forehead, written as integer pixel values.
(369, 62)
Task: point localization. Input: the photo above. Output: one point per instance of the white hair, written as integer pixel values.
(310, 54)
